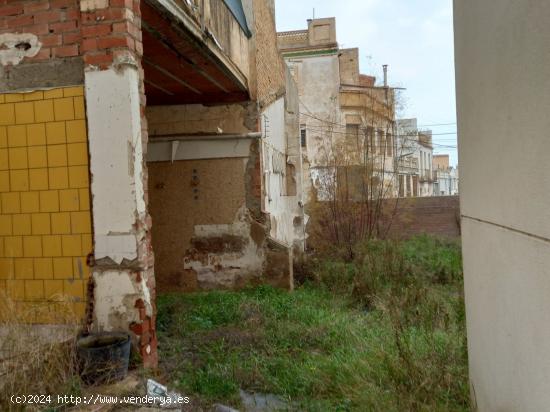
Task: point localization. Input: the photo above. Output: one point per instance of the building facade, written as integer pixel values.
(414, 154)
(131, 130)
(501, 78)
(445, 176)
(345, 120)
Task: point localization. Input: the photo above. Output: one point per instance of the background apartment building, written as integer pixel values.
(345, 120)
(414, 154)
(445, 176)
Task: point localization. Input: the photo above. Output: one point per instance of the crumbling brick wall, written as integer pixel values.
(50, 32)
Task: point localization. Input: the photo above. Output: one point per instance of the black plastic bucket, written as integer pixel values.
(103, 357)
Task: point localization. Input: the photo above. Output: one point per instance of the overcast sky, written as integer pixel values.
(414, 37)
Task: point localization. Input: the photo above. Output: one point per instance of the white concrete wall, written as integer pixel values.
(503, 79)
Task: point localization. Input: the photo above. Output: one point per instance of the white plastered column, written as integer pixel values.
(118, 202)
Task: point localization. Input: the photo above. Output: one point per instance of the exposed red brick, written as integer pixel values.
(51, 40)
(122, 27)
(63, 26)
(72, 14)
(104, 15)
(88, 45)
(51, 16)
(31, 7)
(96, 30)
(61, 4)
(65, 51)
(43, 54)
(122, 3)
(112, 42)
(38, 29)
(98, 59)
(11, 10)
(20, 21)
(71, 38)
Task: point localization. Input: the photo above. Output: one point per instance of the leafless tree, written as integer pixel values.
(356, 186)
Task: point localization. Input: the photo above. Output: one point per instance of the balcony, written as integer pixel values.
(427, 177)
(195, 51)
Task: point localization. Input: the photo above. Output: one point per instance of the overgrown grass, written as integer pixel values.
(384, 332)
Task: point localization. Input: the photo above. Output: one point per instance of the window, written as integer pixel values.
(370, 140)
(383, 143)
(352, 135)
(401, 186)
(389, 143)
(303, 140)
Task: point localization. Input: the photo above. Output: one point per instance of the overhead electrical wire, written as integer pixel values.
(328, 128)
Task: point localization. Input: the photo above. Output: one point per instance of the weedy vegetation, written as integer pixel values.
(35, 360)
(384, 331)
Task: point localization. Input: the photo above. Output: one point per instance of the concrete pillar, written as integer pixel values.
(123, 296)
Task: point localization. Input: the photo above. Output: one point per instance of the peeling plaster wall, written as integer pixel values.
(123, 278)
(116, 167)
(318, 79)
(283, 208)
(202, 224)
(117, 291)
(227, 256)
(208, 229)
(186, 194)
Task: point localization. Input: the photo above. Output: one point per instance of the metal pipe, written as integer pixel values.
(198, 137)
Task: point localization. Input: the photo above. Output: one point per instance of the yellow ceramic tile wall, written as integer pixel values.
(45, 223)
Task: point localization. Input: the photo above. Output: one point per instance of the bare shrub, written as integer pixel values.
(355, 188)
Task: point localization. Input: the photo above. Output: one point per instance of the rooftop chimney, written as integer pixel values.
(385, 75)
